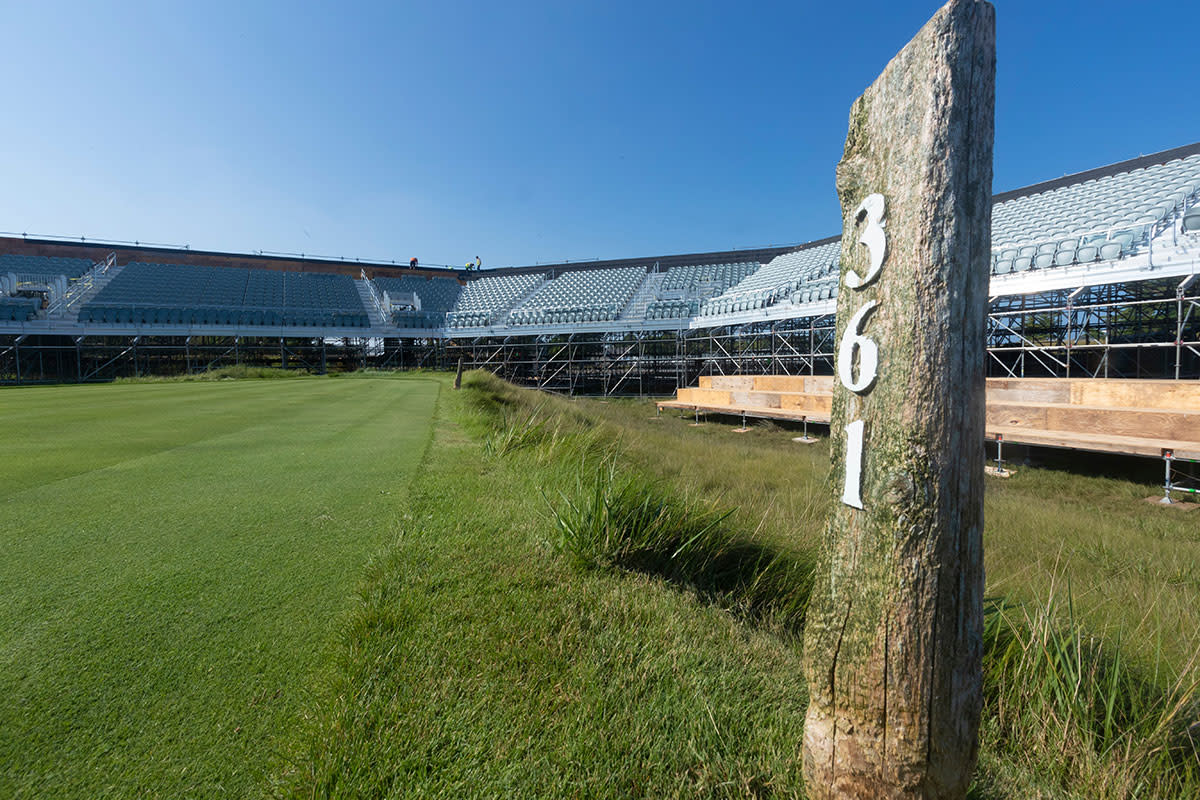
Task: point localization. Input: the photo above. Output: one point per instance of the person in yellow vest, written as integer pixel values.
(478, 263)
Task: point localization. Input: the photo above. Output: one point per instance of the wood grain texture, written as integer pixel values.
(894, 631)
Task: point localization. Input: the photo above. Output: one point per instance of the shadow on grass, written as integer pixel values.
(630, 523)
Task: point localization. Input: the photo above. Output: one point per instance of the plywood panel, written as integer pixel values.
(1145, 423)
(755, 399)
(1013, 415)
(704, 396)
(779, 383)
(819, 383)
(733, 382)
(1028, 391)
(1184, 395)
(705, 382)
(817, 403)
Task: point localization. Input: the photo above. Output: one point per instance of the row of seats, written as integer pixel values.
(483, 298)
(36, 267)
(1088, 254)
(717, 277)
(468, 319)
(749, 301)
(418, 319)
(188, 315)
(816, 292)
(180, 294)
(19, 309)
(560, 316)
(782, 279)
(672, 309)
(596, 288)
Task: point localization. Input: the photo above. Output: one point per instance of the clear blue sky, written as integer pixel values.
(523, 131)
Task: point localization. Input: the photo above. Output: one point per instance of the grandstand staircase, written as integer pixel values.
(371, 303)
(644, 296)
(85, 288)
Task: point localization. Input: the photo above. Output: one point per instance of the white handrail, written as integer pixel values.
(82, 285)
(374, 295)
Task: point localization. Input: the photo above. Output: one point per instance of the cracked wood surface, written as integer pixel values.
(894, 632)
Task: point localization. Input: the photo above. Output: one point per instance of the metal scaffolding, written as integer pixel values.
(1148, 329)
(1143, 329)
(40, 358)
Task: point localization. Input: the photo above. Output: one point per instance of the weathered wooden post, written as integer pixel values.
(893, 642)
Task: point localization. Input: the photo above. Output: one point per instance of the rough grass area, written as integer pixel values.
(591, 601)
(176, 559)
(238, 372)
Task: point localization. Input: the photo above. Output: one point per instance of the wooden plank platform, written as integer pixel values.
(1130, 417)
(755, 412)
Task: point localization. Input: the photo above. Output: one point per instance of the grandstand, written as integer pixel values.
(486, 299)
(1092, 275)
(179, 294)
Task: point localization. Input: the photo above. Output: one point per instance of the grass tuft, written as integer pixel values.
(237, 372)
(1069, 705)
(629, 522)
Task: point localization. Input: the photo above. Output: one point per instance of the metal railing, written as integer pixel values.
(81, 286)
(375, 298)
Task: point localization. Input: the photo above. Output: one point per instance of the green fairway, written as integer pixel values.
(176, 560)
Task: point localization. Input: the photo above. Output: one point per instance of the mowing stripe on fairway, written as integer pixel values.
(175, 558)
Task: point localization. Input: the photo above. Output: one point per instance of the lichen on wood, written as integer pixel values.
(894, 631)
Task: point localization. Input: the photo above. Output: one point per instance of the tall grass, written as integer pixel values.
(629, 522)
(1063, 705)
(1068, 704)
(236, 372)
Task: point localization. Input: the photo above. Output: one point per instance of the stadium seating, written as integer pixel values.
(802, 276)
(683, 289)
(39, 268)
(1080, 228)
(18, 309)
(1100, 219)
(176, 294)
(483, 300)
(598, 295)
(697, 278)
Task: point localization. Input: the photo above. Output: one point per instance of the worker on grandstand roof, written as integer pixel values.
(412, 263)
(478, 263)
